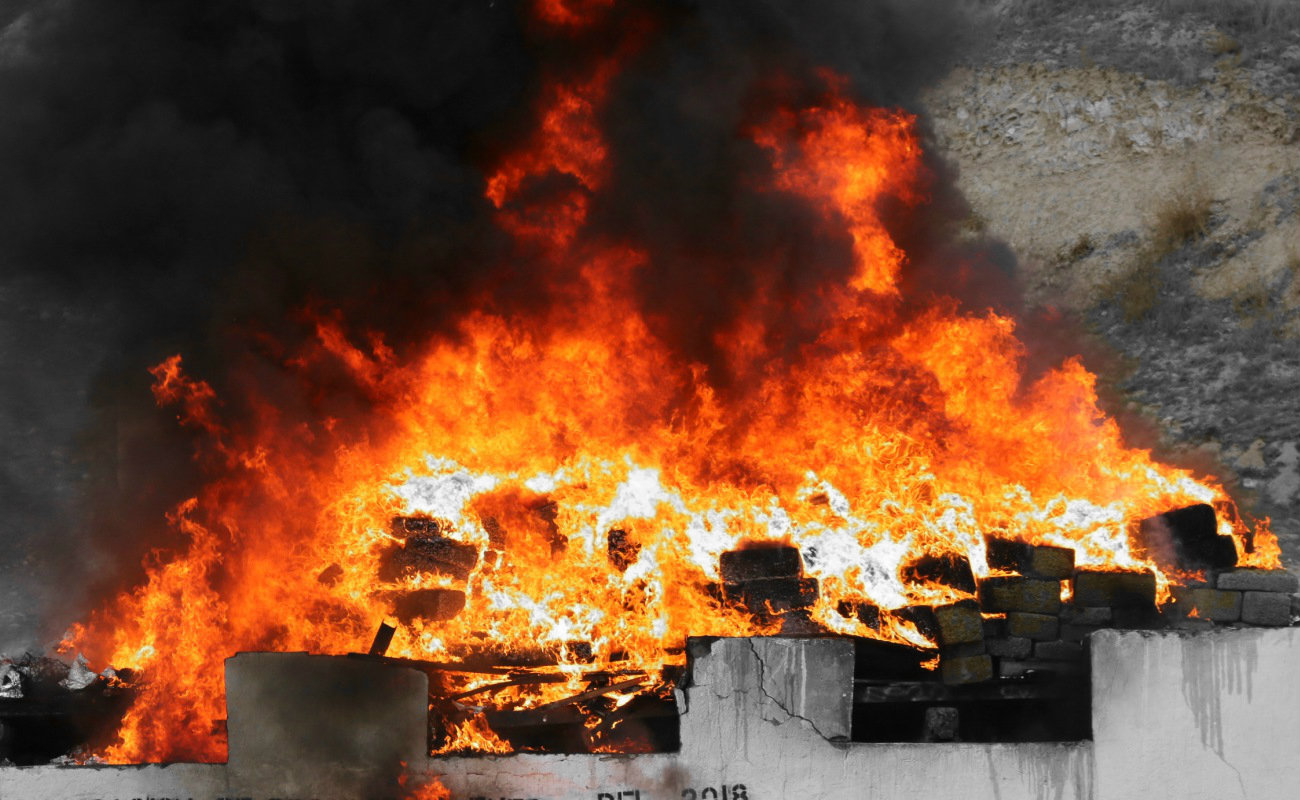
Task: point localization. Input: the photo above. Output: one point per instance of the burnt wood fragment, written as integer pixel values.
(434, 605)
(331, 575)
(1020, 594)
(760, 562)
(1114, 589)
(1030, 560)
(948, 569)
(1187, 538)
(623, 552)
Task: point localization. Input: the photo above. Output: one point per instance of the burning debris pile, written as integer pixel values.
(754, 394)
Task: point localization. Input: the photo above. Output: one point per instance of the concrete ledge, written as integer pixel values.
(1206, 715)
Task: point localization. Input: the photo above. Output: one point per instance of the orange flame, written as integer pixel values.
(530, 437)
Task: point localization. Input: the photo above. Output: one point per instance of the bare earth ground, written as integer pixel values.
(1073, 134)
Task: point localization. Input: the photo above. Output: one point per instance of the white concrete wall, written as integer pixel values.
(1210, 715)
(1191, 717)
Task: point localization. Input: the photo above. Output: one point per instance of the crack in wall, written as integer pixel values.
(762, 673)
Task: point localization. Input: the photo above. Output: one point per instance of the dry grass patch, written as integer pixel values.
(1181, 216)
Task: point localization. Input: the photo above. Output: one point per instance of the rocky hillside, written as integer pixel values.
(1143, 160)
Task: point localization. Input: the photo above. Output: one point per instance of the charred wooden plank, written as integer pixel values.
(1187, 538)
(760, 562)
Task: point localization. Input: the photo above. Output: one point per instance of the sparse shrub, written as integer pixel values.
(1182, 216)
(1082, 247)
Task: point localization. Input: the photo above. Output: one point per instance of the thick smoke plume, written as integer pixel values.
(190, 177)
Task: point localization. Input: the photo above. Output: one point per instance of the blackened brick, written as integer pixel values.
(1187, 538)
(1212, 604)
(1010, 647)
(1259, 580)
(1077, 633)
(1145, 617)
(1020, 594)
(1058, 651)
(775, 594)
(1096, 616)
(1039, 627)
(959, 623)
(1033, 561)
(1114, 589)
(974, 669)
(432, 605)
(1266, 608)
(757, 563)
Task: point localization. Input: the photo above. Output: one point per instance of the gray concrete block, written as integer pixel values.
(1259, 580)
(1266, 608)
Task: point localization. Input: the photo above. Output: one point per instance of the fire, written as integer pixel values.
(528, 437)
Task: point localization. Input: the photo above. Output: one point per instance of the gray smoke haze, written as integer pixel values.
(176, 175)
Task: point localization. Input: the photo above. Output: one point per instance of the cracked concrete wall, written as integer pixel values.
(1189, 716)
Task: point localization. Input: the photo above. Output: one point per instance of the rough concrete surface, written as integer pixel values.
(1207, 715)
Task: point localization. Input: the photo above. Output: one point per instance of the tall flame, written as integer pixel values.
(530, 436)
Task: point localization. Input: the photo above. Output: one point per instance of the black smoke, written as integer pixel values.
(175, 175)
